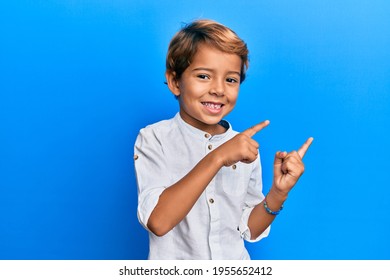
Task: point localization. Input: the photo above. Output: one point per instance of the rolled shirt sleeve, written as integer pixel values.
(253, 197)
(149, 165)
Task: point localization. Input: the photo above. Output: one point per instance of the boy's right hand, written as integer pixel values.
(241, 147)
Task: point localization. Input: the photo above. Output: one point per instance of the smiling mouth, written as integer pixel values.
(212, 106)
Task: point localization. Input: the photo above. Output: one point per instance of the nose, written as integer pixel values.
(218, 87)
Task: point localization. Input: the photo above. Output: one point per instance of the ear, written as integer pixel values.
(172, 81)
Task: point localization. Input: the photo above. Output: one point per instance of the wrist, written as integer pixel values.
(275, 199)
(277, 194)
(216, 159)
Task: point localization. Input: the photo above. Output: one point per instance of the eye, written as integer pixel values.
(231, 80)
(203, 76)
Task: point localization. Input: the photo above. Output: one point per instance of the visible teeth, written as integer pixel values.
(212, 105)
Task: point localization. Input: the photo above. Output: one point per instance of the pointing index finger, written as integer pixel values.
(256, 128)
(302, 150)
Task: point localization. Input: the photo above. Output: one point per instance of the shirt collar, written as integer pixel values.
(200, 134)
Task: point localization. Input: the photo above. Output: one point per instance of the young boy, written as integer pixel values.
(199, 182)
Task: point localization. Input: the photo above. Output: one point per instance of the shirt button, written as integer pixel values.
(234, 166)
(207, 135)
(211, 200)
(210, 147)
(135, 157)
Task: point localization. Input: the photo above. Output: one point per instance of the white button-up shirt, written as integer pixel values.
(217, 224)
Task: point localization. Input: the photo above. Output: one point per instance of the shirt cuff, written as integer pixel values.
(147, 201)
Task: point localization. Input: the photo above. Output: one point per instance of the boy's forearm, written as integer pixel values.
(260, 219)
(177, 200)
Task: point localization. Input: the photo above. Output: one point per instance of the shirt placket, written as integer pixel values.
(214, 209)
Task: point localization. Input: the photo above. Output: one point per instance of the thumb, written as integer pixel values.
(278, 162)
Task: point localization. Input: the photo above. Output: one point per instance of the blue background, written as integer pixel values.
(78, 79)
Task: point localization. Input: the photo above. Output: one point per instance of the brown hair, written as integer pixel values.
(185, 43)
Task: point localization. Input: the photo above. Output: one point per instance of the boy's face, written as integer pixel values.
(208, 88)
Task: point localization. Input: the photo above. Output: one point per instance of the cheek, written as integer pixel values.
(233, 98)
(190, 90)
(187, 100)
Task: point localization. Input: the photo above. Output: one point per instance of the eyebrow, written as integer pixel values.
(211, 70)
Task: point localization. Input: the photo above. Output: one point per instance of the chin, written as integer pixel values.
(212, 120)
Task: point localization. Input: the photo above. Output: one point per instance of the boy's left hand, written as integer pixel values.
(288, 167)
